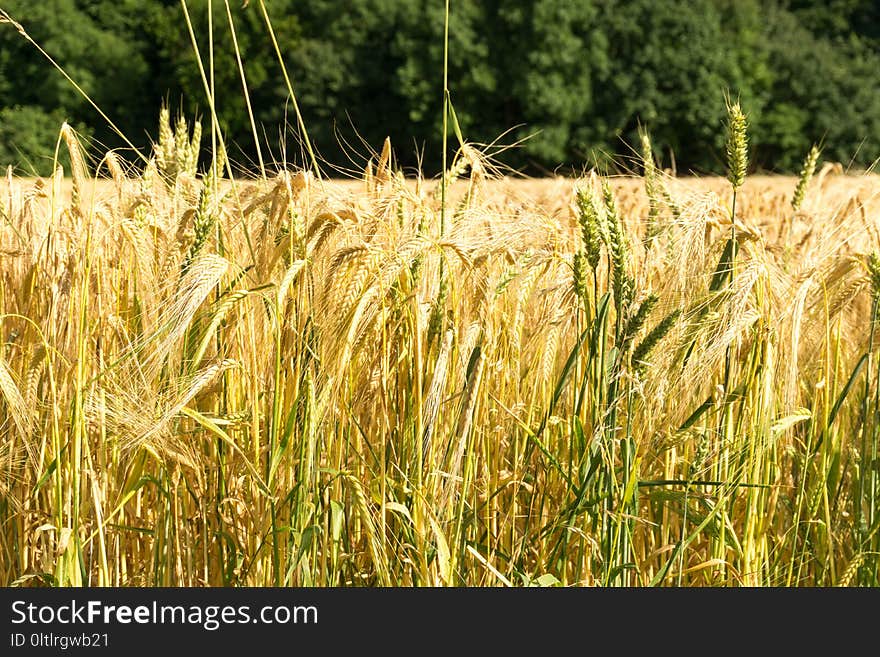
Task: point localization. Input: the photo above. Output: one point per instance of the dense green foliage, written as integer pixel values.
(569, 81)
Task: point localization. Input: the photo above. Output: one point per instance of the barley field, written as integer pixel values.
(476, 380)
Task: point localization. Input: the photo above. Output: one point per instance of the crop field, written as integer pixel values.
(474, 380)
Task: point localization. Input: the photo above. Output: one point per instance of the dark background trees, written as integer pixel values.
(570, 81)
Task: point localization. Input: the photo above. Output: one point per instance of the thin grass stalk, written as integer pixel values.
(300, 122)
(245, 90)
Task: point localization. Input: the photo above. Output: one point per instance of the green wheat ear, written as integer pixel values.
(737, 145)
(646, 346)
(638, 319)
(651, 187)
(622, 281)
(165, 148)
(203, 224)
(805, 176)
(591, 227)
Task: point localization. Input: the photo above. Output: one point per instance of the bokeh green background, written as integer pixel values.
(574, 79)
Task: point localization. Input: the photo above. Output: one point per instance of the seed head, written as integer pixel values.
(638, 319)
(646, 346)
(622, 281)
(651, 187)
(805, 176)
(591, 226)
(737, 145)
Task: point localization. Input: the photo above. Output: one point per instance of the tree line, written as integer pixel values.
(550, 85)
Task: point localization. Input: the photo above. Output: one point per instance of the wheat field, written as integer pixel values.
(478, 380)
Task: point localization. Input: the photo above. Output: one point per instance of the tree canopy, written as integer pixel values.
(570, 82)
